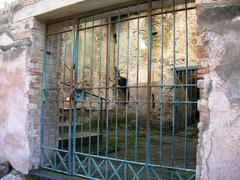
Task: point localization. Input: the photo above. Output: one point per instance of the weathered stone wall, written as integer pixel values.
(20, 68)
(218, 54)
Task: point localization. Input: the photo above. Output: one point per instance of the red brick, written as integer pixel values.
(201, 52)
(198, 8)
(201, 72)
(34, 85)
(24, 2)
(34, 99)
(23, 34)
(35, 72)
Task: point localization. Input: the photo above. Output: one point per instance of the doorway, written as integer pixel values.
(120, 94)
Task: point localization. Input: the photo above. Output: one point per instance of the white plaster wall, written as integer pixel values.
(14, 146)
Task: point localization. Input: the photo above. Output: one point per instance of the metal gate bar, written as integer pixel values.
(149, 89)
(174, 88)
(186, 95)
(87, 101)
(117, 90)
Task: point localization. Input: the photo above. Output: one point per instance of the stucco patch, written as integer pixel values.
(5, 39)
(11, 140)
(7, 42)
(14, 143)
(230, 73)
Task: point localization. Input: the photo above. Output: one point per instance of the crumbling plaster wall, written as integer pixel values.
(219, 52)
(13, 112)
(20, 79)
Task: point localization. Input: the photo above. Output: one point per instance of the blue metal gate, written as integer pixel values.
(118, 94)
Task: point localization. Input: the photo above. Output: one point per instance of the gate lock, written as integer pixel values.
(79, 95)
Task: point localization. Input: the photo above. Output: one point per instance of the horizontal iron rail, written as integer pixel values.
(140, 86)
(124, 20)
(133, 18)
(134, 162)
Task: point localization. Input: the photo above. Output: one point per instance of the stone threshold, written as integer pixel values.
(50, 175)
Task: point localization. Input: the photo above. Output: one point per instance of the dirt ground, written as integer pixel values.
(139, 154)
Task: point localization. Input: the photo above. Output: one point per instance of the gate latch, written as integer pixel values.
(79, 95)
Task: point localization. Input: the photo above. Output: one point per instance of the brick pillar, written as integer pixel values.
(34, 69)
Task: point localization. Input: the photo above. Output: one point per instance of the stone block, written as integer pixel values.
(202, 105)
(5, 168)
(200, 84)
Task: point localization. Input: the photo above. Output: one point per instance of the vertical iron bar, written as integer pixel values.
(186, 92)
(49, 116)
(64, 79)
(108, 91)
(50, 92)
(83, 77)
(76, 55)
(57, 106)
(137, 94)
(148, 118)
(126, 100)
(162, 88)
(91, 84)
(71, 102)
(99, 94)
(117, 90)
(51, 59)
(106, 75)
(195, 94)
(75, 86)
(174, 88)
(82, 119)
(43, 97)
